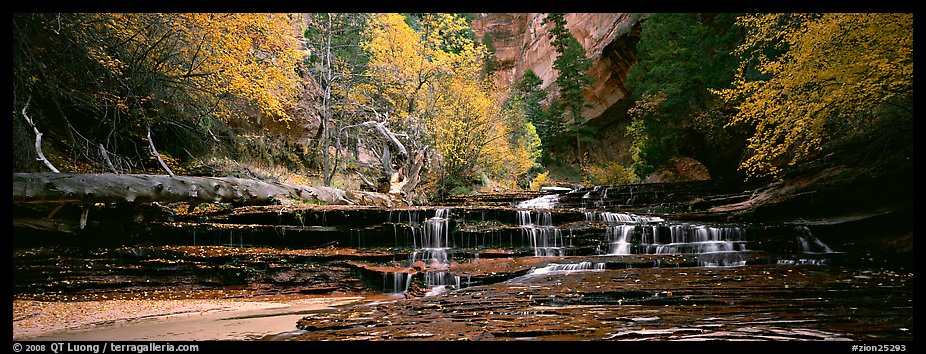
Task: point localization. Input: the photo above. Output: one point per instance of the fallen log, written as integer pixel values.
(141, 188)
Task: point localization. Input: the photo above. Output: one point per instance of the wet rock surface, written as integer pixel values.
(642, 262)
(753, 302)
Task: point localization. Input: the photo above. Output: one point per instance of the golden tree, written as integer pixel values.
(810, 79)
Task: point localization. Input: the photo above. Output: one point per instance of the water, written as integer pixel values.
(620, 238)
(544, 202)
(400, 282)
(545, 239)
(809, 243)
(587, 197)
(803, 261)
(776, 281)
(443, 279)
(567, 268)
(756, 302)
(610, 217)
(432, 241)
(716, 246)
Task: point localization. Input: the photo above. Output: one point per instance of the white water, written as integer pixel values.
(566, 268)
(620, 238)
(544, 202)
(400, 282)
(809, 243)
(620, 217)
(545, 239)
(432, 241)
(587, 197)
(716, 246)
(803, 261)
(435, 279)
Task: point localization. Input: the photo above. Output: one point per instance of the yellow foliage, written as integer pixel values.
(235, 62)
(300, 179)
(611, 173)
(835, 71)
(432, 85)
(539, 180)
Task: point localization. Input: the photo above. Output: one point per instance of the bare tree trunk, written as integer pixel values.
(413, 176)
(38, 138)
(326, 108)
(135, 188)
(401, 151)
(106, 158)
(154, 152)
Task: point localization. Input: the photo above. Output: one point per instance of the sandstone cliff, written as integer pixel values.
(521, 42)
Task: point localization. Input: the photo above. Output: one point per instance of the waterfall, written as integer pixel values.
(620, 238)
(716, 246)
(544, 202)
(610, 217)
(803, 261)
(809, 243)
(400, 282)
(559, 268)
(545, 239)
(434, 279)
(572, 267)
(433, 240)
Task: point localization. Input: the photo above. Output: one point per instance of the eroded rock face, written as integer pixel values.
(521, 42)
(680, 169)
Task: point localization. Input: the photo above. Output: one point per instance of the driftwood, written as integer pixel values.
(139, 188)
(38, 138)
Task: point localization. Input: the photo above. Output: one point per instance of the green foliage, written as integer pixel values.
(528, 97)
(564, 120)
(528, 92)
(491, 61)
(681, 57)
(337, 64)
(812, 82)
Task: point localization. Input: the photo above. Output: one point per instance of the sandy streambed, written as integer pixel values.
(194, 319)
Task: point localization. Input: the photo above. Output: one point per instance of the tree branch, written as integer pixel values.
(154, 152)
(38, 138)
(106, 158)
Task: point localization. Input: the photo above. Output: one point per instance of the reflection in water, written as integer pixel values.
(756, 302)
(809, 243)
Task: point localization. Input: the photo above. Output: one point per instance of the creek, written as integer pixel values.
(576, 266)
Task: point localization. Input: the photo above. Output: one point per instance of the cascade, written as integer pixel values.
(431, 240)
(714, 245)
(587, 197)
(545, 202)
(809, 243)
(620, 238)
(545, 239)
(620, 217)
(572, 267)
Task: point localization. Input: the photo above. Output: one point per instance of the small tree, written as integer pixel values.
(565, 119)
(337, 63)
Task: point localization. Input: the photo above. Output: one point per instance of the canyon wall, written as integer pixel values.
(522, 43)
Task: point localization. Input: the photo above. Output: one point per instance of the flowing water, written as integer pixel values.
(539, 269)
